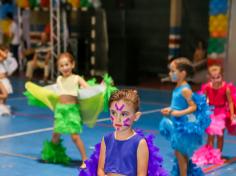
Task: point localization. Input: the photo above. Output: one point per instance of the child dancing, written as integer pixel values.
(67, 109)
(219, 95)
(125, 151)
(186, 119)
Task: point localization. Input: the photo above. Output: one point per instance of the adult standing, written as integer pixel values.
(14, 34)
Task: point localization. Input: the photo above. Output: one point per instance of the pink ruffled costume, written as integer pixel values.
(218, 99)
(207, 155)
(231, 125)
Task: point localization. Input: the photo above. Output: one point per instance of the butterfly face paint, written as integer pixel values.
(216, 78)
(112, 118)
(119, 108)
(127, 122)
(120, 116)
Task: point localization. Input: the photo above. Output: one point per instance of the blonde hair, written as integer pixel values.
(127, 95)
(215, 68)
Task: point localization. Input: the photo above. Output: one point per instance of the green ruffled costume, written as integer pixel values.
(67, 119)
(70, 117)
(54, 153)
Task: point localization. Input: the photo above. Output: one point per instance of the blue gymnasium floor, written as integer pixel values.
(22, 135)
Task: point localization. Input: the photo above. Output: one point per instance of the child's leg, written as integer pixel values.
(220, 142)
(210, 140)
(183, 163)
(55, 138)
(80, 145)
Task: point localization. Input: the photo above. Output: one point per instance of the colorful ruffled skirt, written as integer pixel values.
(207, 155)
(218, 119)
(54, 153)
(67, 119)
(185, 133)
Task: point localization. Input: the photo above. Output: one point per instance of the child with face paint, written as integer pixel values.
(125, 151)
(219, 94)
(124, 110)
(186, 119)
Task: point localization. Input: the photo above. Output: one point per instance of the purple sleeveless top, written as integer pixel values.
(121, 156)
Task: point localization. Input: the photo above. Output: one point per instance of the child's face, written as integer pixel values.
(174, 72)
(65, 66)
(215, 76)
(122, 115)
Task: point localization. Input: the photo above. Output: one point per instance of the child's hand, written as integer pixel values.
(2, 75)
(233, 120)
(166, 111)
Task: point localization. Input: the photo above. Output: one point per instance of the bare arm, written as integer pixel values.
(101, 160)
(3, 75)
(35, 57)
(48, 57)
(10, 33)
(142, 157)
(3, 91)
(187, 94)
(82, 83)
(204, 91)
(231, 104)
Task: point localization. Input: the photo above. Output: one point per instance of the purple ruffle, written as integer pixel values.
(155, 159)
(154, 164)
(91, 163)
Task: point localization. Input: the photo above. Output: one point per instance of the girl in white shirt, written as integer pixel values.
(67, 114)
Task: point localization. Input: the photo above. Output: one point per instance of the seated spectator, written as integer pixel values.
(26, 55)
(199, 56)
(40, 59)
(199, 53)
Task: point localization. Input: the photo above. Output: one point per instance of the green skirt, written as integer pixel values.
(67, 119)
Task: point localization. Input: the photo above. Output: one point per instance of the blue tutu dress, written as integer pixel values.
(186, 132)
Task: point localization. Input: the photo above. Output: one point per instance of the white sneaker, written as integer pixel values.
(5, 110)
